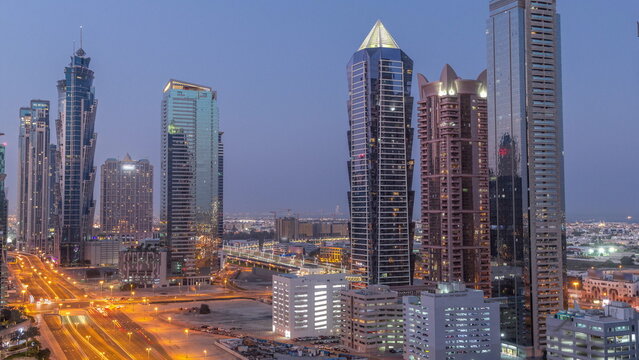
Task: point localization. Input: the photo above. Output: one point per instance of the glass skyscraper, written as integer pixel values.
(76, 142)
(34, 176)
(526, 169)
(4, 227)
(380, 165)
(191, 175)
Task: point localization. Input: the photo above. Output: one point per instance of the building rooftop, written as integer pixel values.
(183, 85)
(614, 312)
(378, 37)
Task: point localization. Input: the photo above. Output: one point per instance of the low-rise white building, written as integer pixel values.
(607, 334)
(452, 323)
(307, 305)
(371, 320)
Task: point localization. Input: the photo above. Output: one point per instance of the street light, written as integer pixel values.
(148, 351)
(101, 283)
(156, 311)
(129, 333)
(170, 319)
(205, 353)
(111, 287)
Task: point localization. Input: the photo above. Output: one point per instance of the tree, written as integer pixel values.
(204, 309)
(44, 354)
(32, 332)
(627, 261)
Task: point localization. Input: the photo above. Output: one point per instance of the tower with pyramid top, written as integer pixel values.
(380, 165)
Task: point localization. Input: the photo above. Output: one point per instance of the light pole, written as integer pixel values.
(101, 283)
(156, 311)
(129, 333)
(111, 287)
(205, 353)
(148, 352)
(186, 331)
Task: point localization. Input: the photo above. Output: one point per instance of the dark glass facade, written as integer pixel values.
(76, 142)
(380, 165)
(526, 169)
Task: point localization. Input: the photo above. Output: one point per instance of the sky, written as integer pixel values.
(279, 68)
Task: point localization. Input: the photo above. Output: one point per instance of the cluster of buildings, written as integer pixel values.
(56, 205)
(292, 228)
(492, 206)
(449, 321)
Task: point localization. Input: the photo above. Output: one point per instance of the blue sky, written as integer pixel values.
(279, 69)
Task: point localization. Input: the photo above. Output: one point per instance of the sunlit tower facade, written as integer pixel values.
(525, 156)
(75, 127)
(34, 175)
(126, 198)
(191, 174)
(380, 164)
(453, 135)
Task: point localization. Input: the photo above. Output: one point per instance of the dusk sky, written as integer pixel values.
(279, 68)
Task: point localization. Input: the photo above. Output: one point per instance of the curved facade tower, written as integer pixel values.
(380, 164)
(77, 107)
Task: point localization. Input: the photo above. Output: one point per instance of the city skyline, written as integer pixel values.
(581, 126)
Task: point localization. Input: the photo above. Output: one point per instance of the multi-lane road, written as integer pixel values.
(84, 329)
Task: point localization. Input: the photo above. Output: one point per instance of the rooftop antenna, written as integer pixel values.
(80, 36)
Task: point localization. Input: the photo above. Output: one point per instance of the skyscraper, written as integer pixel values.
(77, 107)
(380, 165)
(126, 197)
(4, 227)
(34, 188)
(454, 180)
(219, 204)
(191, 174)
(525, 144)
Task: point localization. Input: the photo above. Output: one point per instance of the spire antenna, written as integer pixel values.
(80, 36)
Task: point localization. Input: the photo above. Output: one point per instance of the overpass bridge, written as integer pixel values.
(252, 256)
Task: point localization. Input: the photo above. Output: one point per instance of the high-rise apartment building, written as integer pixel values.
(287, 228)
(453, 137)
(525, 158)
(75, 126)
(191, 206)
(34, 176)
(451, 322)
(126, 197)
(307, 305)
(380, 165)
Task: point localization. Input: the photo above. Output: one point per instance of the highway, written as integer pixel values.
(83, 329)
